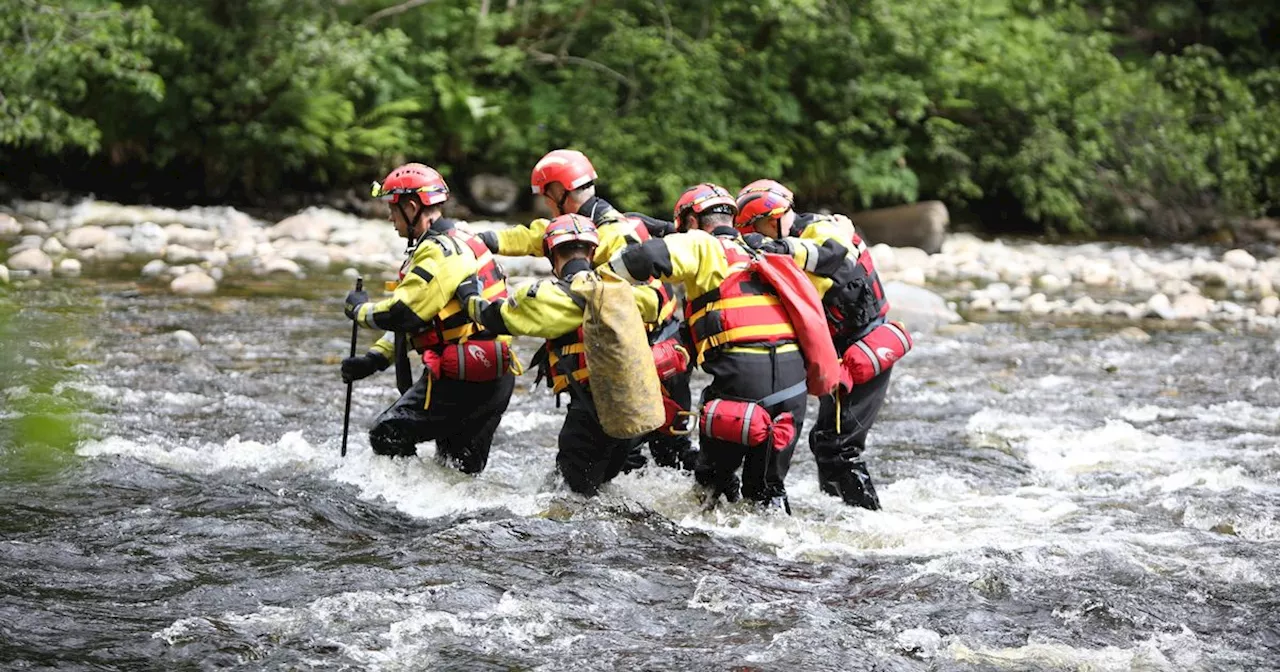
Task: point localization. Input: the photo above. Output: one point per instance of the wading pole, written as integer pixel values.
(346, 415)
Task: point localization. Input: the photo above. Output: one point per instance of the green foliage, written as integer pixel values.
(56, 55)
(1070, 115)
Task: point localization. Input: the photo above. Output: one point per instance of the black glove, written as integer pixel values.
(657, 227)
(363, 366)
(354, 299)
(469, 287)
(490, 240)
(775, 247)
(754, 241)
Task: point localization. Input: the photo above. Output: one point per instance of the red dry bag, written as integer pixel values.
(746, 423)
(875, 353)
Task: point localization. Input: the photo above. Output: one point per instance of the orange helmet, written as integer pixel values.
(702, 197)
(571, 228)
(761, 201)
(413, 178)
(569, 167)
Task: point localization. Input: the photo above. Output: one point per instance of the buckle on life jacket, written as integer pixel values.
(677, 415)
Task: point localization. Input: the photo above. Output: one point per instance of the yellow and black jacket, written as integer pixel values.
(837, 261)
(549, 309)
(729, 306)
(423, 303)
(616, 231)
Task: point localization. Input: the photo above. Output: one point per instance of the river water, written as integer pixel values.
(1057, 497)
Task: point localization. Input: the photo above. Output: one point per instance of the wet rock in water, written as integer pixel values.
(310, 224)
(154, 268)
(181, 254)
(278, 265)
(9, 227)
(1268, 307)
(195, 283)
(1191, 307)
(69, 268)
(885, 257)
(309, 253)
(198, 239)
(85, 237)
(36, 227)
(31, 260)
(1134, 334)
(492, 194)
(350, 273)
(922, 225)
(216, 258)
(27, 243)
(912, 276)
(1050, 282)
(4, 275)
(54, 247)
(148, 239)
(186, 340)
(920, 309)
(1240, 259)
(1159, 306)
(114, 248)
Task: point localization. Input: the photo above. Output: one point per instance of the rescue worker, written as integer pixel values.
(587, 457)
(836, 260)
(742, 336)
(565, 179)
(459, 412)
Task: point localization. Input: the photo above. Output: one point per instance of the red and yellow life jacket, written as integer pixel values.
(451, 324)
(567, 356)
(743, 310)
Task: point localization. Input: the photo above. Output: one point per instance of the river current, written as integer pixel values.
(1056, 497)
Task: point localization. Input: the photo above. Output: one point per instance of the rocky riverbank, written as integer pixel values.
(193, 251)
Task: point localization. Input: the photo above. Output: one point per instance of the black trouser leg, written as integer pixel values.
(841, 470)
(462, 418)
(588, 458)
(751, 377)
(468, 449)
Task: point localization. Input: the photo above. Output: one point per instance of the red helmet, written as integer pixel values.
(571, 228)
(701, 197)
(569, 167)
(413, 178)
(760, 201)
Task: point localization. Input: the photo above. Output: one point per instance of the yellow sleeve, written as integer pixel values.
(648, 301)
(616, 233)
(543, 309)
(697, 260)
(385, 346)
(522, 241)
(419, 298)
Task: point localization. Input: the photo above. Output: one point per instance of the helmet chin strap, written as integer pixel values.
(413, 232)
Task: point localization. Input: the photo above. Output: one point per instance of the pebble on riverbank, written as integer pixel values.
(1179, 283)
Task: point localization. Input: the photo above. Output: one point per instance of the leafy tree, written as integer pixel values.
(56, 55)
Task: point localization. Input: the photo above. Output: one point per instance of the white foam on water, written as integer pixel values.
(1163, 651)
(148, 399)
(417, 486)
(410, 626)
